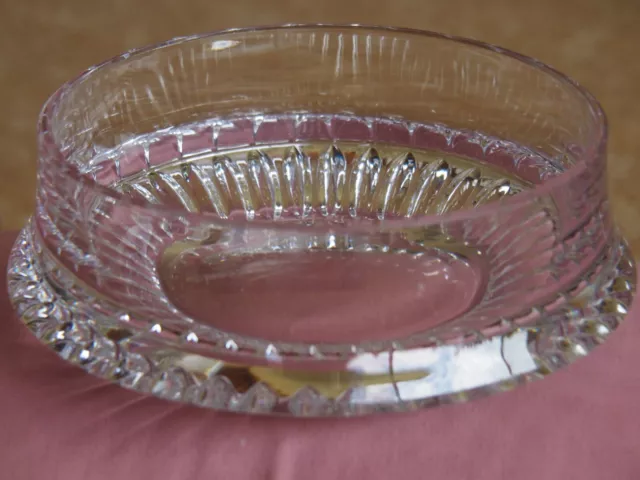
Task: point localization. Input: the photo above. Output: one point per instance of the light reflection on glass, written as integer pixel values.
(447, 369)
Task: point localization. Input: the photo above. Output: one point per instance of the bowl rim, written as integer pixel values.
(595, 149)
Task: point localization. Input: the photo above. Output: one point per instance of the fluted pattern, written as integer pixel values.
(333, 179)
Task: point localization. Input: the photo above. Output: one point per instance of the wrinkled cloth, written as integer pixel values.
(57, 422)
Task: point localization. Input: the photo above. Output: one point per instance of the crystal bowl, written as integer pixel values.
(321, 220)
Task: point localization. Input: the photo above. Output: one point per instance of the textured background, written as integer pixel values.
(43, 43)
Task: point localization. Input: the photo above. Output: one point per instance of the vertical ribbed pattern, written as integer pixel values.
(330, 179)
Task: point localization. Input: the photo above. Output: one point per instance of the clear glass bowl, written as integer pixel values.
(321, 220)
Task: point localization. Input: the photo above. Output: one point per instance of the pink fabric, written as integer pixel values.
(59, 423)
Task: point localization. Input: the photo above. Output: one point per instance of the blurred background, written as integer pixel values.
(44, 43)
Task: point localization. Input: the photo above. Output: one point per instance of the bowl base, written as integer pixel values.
(393, 380)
